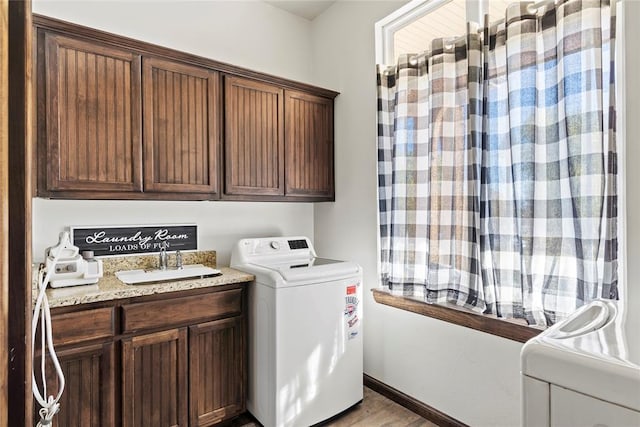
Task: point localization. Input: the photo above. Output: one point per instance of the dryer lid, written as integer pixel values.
(595, 351)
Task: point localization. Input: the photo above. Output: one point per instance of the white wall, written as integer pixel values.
(220, 224)
(252, 34)
(469, 375)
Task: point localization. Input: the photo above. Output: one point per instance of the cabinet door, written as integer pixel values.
(154, 379)
(89, 393)
(180, 127)
(309, 145)
(254, 140)
(217, 371)
(92, 140)
(570, 408)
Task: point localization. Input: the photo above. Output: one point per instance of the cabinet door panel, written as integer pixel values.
(98, 323)
(254, 141)
(154, 379)
(93, 116)
(180, 311)
(217, 371)
(181, 127)
(88, 397)
(309, 145)
(570, 408)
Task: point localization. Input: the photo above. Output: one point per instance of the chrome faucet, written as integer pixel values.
(163, 258)
(179, 260)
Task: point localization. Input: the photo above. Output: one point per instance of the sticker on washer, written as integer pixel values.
(352, 322)
(350, 307)
(351, 311)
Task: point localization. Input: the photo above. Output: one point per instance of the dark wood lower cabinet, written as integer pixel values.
(216, 353)
(187, 369)
(88, 397)
(154, 379)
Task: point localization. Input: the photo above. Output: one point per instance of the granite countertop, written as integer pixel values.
(110, 287)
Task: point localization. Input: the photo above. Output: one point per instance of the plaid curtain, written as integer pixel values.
(497, 165)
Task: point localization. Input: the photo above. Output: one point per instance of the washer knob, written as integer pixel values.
(275, 245)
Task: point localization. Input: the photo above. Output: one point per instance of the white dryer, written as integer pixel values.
(583, 371)
(305, 331)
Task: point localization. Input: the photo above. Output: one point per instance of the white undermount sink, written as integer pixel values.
(134, 277)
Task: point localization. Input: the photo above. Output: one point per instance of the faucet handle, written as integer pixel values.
(162, 258)
(179, 260)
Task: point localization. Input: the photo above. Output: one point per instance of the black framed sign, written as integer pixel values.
(123, 240)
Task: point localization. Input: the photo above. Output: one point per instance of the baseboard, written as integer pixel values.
(425, 411)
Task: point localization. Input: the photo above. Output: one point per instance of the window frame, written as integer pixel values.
(384, 55)
(407, 14)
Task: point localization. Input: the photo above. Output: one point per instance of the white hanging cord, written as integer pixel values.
(49, 404)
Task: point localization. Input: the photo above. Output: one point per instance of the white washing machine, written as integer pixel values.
(305, 331)
(583, 371)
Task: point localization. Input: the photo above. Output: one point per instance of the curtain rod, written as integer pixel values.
(537, 5)
(541, 3)
(531, 7)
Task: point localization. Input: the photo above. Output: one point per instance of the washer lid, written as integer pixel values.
(313, 270)
(593, 352)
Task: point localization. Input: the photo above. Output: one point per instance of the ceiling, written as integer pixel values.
(307, 9)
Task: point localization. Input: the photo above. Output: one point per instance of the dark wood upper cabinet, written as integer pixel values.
(180, 127)
(92, 131)
(309, 145)
(278, 143)
(254, 138)
(122, 119)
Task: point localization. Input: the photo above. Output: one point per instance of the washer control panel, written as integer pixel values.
(280, 247)
(298, 244)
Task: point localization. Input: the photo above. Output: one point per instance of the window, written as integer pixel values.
(412, 28)
(455, 216)
(446, 20)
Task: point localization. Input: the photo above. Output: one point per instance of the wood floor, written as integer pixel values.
(374, 411)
